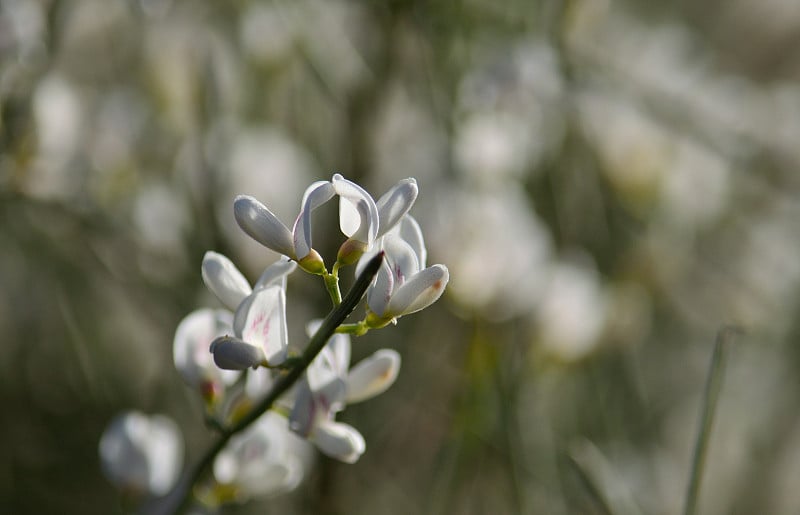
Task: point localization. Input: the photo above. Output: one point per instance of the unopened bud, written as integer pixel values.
(351, 251)
(312, 263)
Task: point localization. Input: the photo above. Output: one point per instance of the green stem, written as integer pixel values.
(318, 341)
(357, 329)
(332, 285)
(716, 372)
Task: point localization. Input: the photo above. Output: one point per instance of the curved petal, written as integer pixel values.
(304, 414)
(380, 292)
(395, 203)
(315, 195)
(260, 224)
(410, 231)
(190, 346)
(234, 354)
(224, 279)
(265, 323)
(276, 273)
(339, 441)
(401, 258)
(358, 214)
(419, 292)
(373, 375)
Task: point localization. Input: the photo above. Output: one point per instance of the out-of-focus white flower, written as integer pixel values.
(496, 248)
(263, 460)
(190, 351)
(142, 454)
(329, 385)
(572, 312)
(259, 325)
(263, 226)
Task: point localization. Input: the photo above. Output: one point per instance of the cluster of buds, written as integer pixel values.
(235, 358)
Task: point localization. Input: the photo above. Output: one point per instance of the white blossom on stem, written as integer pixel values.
(193, 338)
(259, 324)
(403, 285)
(329, 385)
(264, 460)
(263, 226)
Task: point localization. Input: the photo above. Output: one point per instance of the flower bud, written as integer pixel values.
(351, 251)
(234, 354)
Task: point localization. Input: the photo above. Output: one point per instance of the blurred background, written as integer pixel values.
(609, 183)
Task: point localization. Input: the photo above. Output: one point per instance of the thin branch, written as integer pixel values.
(182, 493)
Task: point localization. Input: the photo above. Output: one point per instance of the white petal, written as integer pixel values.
(265, 324)
(358, 214)
(380, 292)
(419, 292)
(316, 195)
(190, 346)
(258, 383)
(141, 453)
(234, 354)
(395, 203)
(276, 273)
(373, 376)
(410, 232)
(401, 259)
(303, 415)
(339, 441)
(261, 225)
(224, 280)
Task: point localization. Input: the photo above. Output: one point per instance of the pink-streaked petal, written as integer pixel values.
(358, 214)
(339, 441)
(419, 292)
(380, 292)
(234, 354)
(224, 280)
(315, 195)
(260, 224)
(410, 232)
(190, 347)
(401, 258)
(373, 375)
(395, 203)
(276, 274)
(265, 324)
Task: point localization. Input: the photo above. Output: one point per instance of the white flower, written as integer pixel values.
(363, 220)
(403, 285)
(264, 227)
(259, 325)
(265, 459)
(328, 385)
(193, 338)
(142, 454)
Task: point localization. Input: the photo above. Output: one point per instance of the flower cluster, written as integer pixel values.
(238, 358)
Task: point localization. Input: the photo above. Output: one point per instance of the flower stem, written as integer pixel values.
(335, 318)
(332, 285)
(357, 329)
(716, 372)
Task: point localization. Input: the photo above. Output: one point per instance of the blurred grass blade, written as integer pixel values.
(608, 490)
(716, 372)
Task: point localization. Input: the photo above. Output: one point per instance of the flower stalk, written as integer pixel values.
(335, 318)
